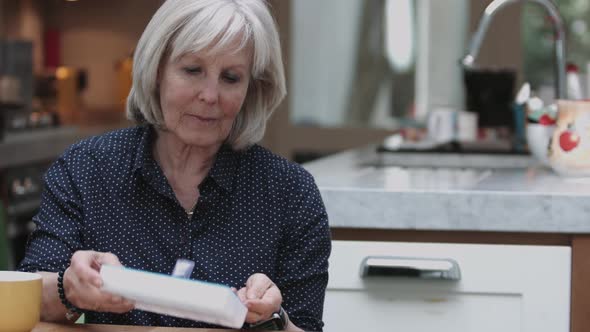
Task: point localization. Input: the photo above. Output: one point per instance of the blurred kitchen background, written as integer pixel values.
(358, 71)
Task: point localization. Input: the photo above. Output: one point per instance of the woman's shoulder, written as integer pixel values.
(112, 144)
(274, 165)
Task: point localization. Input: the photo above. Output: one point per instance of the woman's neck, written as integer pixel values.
(180, 160)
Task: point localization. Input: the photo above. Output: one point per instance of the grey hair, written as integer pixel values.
(180, 27)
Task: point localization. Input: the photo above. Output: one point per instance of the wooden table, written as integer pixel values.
(51, 327)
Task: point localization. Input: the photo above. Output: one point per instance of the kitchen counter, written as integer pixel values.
(491, 199)
(512, 193)
(41, 145)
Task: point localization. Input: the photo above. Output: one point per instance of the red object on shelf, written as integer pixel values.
(52, 45)
(572, 67)
(546, 120)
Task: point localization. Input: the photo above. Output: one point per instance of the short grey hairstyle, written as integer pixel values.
(180, 27)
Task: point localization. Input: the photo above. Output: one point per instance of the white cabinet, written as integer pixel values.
(501, 288)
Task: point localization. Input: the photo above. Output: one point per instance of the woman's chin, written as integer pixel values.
(200, 140)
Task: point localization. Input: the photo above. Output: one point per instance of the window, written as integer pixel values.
(538, 40)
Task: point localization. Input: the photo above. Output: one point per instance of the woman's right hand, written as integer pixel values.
(82, 283)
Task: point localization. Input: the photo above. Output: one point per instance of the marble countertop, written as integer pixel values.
(406, 191)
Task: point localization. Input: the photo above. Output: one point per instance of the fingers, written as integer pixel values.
(261, 309)
(269, 303)
(251, 316)
(82, 283)
(108, 259)
(242, 294)
(83, 270)
(261, 296)
(257, 285)
(254, 317)
(113, 303)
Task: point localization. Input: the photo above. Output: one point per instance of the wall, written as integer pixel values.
(442, 28)
(503, 46)
(95, 35)
(324, 46)
(10, 17)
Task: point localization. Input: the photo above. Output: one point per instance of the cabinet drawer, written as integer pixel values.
(495, 288)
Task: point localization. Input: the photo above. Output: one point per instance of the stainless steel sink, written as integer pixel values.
(366, 168)
(452, 160)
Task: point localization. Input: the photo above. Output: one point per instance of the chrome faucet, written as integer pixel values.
(469, 60)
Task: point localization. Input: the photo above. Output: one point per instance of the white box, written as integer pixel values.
(184, 298)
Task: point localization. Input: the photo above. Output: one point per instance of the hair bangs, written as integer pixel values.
(215, 30)
(262, 54)
(262, 48)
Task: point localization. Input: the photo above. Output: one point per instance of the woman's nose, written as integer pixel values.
(209, 93)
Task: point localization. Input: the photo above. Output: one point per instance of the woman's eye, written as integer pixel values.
(192, 70)
(231, 78)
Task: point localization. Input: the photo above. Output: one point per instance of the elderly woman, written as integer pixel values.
(188, 181)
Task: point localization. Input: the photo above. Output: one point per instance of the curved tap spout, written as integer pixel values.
(492, 9)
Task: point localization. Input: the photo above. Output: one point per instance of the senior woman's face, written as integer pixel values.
(202, 93)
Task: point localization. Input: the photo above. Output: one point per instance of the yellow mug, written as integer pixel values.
(20, 301)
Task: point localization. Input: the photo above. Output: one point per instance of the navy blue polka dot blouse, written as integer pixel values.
(256, 213)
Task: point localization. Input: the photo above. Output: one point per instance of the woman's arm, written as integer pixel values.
(52, 310)
(302, 264)
(82, 285)
(291, 326)
(56, 243)
(262, 297)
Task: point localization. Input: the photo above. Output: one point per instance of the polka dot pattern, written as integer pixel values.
(257, 213)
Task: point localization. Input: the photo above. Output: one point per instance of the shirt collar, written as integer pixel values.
(223, 171)
(225, 167)
(143, 153)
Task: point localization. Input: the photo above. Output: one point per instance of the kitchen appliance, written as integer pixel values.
(490, 94)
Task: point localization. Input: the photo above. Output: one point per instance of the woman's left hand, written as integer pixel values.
(261, 296)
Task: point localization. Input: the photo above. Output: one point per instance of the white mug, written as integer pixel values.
(466, 126)
(445, 125)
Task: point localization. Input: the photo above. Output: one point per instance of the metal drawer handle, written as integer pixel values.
(410, 267)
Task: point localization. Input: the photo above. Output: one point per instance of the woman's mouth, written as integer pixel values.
(202, 119)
